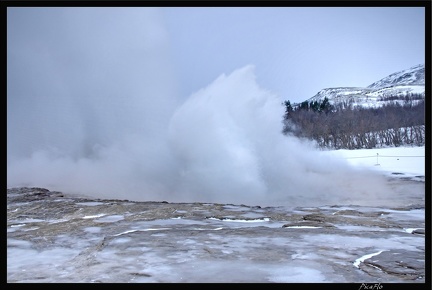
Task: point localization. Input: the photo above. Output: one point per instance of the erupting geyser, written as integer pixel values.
(101, 117)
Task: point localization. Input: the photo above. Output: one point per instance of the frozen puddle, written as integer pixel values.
(361, 259)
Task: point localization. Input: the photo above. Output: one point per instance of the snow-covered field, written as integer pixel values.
(406, 161)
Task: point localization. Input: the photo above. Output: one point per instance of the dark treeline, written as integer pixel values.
(407, 98)
(344, 126)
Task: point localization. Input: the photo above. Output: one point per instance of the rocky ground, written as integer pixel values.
(56, 237)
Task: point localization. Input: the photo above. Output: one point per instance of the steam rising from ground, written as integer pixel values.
(115, 129)
(228, 143)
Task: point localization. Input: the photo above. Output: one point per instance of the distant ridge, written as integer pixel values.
(412, 76)
(404, 83)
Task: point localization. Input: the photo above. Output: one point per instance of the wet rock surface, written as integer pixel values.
(56, 237)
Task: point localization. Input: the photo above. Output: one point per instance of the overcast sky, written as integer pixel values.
(297, 51)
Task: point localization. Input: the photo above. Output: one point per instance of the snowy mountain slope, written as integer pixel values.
(412, 76)
(400, 84)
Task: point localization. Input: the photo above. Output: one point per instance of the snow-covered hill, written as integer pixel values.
(412, 76)
(400, 84)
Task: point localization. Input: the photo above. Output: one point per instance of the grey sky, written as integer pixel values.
(297, 51)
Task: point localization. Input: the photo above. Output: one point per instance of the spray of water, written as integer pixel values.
(111, 125)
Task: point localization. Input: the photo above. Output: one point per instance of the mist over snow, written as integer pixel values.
(224, 144)
(228, 142)
(102, 117)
